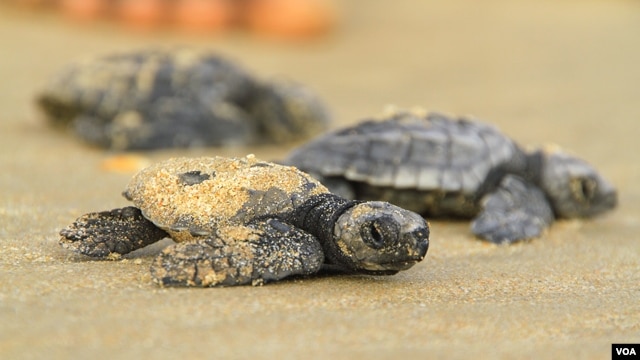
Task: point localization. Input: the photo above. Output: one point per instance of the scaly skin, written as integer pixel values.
(118, 231)
(245, 221)
(437, 165)
(266, 251)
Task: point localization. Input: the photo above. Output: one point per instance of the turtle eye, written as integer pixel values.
(583, 189)
(380, 232)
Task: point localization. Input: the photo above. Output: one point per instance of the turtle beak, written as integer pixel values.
(422, 248)
(421, 238)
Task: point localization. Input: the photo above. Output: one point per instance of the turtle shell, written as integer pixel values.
(190, 197)
(406, 155)
(110, 85)
(176, 97)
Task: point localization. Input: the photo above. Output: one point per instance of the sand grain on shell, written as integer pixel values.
(164, 199)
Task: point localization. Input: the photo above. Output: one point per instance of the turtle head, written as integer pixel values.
(573, 186)
(379, 238)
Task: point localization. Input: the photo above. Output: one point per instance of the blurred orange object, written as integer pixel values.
(84, 10)
(34, 3)
(295, 19)
(142, 14)
(204, 15)
(285, 19)
(125, 163)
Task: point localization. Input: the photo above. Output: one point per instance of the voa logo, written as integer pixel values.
(626, 351)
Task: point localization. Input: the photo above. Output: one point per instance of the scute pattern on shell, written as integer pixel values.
(236, 191)
(410, 151)
(246, 221)
(439, 165)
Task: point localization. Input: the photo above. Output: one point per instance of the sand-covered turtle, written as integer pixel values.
(245, 221)
(441, 166)
(179, 97)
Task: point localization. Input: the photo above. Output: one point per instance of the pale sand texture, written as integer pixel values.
(543, 71)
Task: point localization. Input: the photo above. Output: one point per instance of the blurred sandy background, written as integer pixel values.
(544, 71)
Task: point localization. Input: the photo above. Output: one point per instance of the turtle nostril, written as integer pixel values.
(421, 237)
(423, 246)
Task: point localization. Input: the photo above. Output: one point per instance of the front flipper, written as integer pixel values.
(238, 255)
(117, 231)
(515, 211)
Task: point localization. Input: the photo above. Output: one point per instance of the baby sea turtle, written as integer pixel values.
(159, 98)
(439, 166)
(243, 221)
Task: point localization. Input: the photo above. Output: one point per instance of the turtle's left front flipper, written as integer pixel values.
(118, 231)
(259, 252)
(515, 211)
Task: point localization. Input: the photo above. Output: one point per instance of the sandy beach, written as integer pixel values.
(542, 71)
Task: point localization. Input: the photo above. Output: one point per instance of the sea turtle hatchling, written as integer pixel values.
(440, 166)
(176, 97)
(245, 221)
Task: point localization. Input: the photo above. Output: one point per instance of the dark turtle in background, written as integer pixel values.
(246, 221)
(161, 98)
(440, 166)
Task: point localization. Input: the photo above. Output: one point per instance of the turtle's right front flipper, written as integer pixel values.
(260, 252)
(516, 210)
(119, 231)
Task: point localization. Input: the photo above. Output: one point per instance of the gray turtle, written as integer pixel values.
(440, 166)
(154, 98)
(246, 221)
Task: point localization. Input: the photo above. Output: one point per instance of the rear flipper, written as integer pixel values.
(515, 211)
(238, 255)
(117, 231)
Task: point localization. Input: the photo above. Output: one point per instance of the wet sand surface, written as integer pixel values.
(543, 71)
